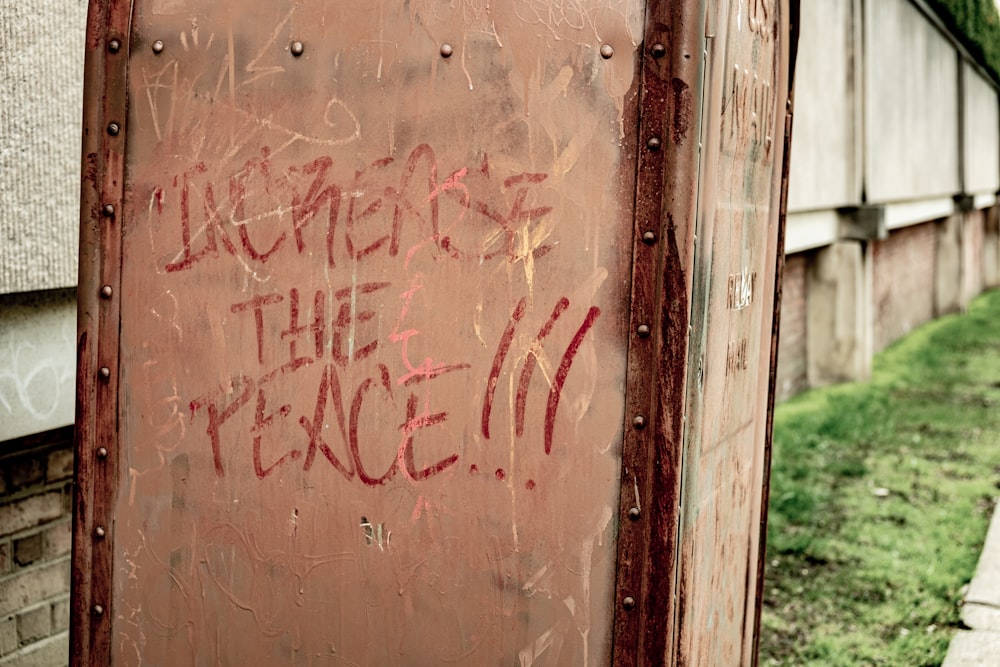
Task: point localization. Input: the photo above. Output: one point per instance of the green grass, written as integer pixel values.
(881, 494)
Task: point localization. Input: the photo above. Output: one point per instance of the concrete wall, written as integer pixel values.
(37, 362)
(41, 81)
(895, 171)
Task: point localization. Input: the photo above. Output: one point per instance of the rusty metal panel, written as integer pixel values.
(373, 302)
(425, 332)
(727, 410)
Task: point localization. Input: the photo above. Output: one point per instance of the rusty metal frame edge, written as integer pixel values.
(101, 205)
(661, 280)
(792, 37)
(625, 630)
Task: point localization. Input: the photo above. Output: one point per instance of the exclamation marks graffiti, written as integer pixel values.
(528, 369)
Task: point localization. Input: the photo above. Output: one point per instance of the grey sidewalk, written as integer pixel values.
(980, 646)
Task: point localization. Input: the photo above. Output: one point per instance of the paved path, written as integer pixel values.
(980, 646)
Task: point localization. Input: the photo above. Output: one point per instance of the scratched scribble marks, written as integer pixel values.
(375, 298)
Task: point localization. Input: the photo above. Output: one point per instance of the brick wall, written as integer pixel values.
(792, 360)
(902, 282)
(35, 543)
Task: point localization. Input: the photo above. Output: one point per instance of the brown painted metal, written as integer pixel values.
(396, 309)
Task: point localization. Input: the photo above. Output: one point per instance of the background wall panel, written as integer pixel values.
(911, 105)
(980, 133)
(825, 171)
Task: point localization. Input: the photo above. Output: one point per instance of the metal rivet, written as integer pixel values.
(102, 452)
(98, 610)
(607, 51)
(639, 422)
(658, 50)
(106, 291)
(107, 210)
(643, 331)
(114, 46)
(158, 46)
(629, 603)
(99, 532)
(297, 48)
(634, 513)
(653, 144)
(105, 373)
(114, 129)
(649, 238)
(446, 50)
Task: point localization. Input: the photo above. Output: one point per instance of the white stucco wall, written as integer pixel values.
(41, 84)
(911, 105)
(981, 133)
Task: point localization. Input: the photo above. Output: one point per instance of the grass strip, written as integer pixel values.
(881, 493)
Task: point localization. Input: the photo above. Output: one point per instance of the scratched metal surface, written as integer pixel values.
(730, 349)
(374, 307)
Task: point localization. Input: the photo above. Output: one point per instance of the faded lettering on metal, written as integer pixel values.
(373, 307)
(733, 292)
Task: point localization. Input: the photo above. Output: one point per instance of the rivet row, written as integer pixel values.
(297, 48)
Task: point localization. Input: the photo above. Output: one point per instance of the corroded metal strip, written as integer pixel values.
(666, 191)
(793, 33)
(97, 339)
(680, 83)
(631, 516)
(772, 381)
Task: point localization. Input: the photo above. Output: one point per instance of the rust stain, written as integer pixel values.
(682, 109)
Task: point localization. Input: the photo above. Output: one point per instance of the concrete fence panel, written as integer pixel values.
(911, 105)
(980, 133)
(825, 171)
